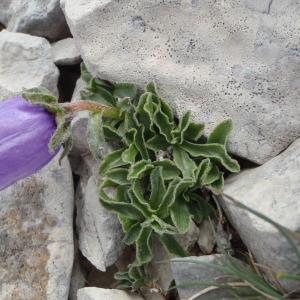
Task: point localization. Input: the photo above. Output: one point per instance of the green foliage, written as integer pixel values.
(62, 135)
(160, 168)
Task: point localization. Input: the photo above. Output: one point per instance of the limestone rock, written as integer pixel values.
(240, 61)
(100, 232)
(25, 62)
(34, 17)
(36, 233)
(273, 190)
(65, 52)
(93, 293)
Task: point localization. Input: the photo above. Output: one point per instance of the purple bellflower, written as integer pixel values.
(25, 131)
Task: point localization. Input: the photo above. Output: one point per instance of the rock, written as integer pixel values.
(206, 240)
(93, 293)
(65, 52)
(79, 274)
(240, 61)
(34, 17)
(25, 62)
(100, 232)
(186, 272)
(273, 190)
(36, 233)
(5, 12)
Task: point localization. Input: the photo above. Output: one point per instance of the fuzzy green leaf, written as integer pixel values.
(183, 125)
(112, 160)
(184, 162)
(132, 234)
(124, 89)
(126, 209)
(101, 94)
(151, 88)
(157, 143)
(67, 147)
(176, 187)
(160, 226)
(143, 248)
(39, 95)
(171, 245)
(212, 176)
(129, 154)
(193, 132)
(157, 187)
(85, 74)
(220, 133)
(199, 207)
(180, 215)
(137, 169)
(125, 222)
(215, 151)
(60, 136)
(140, 142)
(110, 132)
(95, 135)
(217, 186)
(169, 169)
(145, 116)
(118, 176)
(163, 123)
(203, 169)
(138, 198)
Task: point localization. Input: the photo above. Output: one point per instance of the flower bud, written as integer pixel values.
(25, 131)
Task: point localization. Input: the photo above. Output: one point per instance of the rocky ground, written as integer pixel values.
(219, 59)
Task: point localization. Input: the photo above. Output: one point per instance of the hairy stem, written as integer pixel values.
(107, 111)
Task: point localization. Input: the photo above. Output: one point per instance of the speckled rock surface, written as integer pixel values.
(36, 233)
(65, 52)
(241, 60)
(272, 189)
(92, 293)
(25, 62)
(35, 17)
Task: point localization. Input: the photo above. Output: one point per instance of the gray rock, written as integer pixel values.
(36, 233)
(79, 274)
(273, 190)
(93, 293)
(25, 62)
(34, 17)
(65, 52)
(206, 240)
(240, 61)
(186, 272)
(100, 232)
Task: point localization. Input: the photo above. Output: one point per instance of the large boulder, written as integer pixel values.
(219, 59)
(34, 17)
(25, 62)
(36, 233)
(273, 190)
